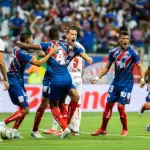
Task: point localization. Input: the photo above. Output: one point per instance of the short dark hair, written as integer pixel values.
(25, 36)
(123, 32)
(71, 27)
(53, 33)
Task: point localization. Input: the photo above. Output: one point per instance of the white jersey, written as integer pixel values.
(75, 66)
(2, 46)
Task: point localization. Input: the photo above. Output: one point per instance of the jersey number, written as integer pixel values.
(75, 62)
(60, 57)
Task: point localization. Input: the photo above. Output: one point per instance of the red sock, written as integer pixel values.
(58, 117)
(38, 117)
(18, 122)
(15, 116)
(123, 116)
(107, 115)
(64, 112)
(71, 109)
(144, 108)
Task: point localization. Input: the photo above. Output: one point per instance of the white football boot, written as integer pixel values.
(65, 133)
(36, 134)
(16, 134)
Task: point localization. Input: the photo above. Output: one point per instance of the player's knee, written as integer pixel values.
(148, 105)
(44, 103)
(53, 104)
(26, 111)
(121, 107)
(75, 97)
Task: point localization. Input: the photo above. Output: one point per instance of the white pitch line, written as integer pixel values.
(117, 135)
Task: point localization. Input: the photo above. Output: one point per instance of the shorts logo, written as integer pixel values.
(45, 88)
(123, 94)
(21, 99)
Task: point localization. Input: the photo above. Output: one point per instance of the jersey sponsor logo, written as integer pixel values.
(120, 64)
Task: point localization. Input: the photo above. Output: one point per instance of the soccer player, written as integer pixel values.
(48, 77)
(2, 65)
(17, 91)
(146, 106)
(124, 58)
(75, 68)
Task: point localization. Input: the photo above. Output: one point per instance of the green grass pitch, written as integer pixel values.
(137, 139)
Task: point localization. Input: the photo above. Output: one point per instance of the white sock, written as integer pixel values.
(55, 125)
(76, 119)
(3, 123)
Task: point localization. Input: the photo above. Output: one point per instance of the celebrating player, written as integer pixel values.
(124, 57)
(146, 106)
(2, 64)
(76, 69)
(17, 91)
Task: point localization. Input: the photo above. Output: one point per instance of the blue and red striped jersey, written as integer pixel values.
(58, 63)
(124, 62)
(18, 61)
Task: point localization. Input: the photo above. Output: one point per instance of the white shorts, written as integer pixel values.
(78, 86)
(77, 82)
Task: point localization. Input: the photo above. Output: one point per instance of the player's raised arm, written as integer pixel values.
(102, 72)
(44, 59)
(2, 65)
(86, 57)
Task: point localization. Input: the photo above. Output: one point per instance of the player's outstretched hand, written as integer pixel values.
(90, 60)
(6, 85)
(54, 49)
(93, 81)
(142, 82)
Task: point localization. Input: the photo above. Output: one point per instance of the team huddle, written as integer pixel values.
(62, 83)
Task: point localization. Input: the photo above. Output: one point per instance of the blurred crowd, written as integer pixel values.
(98, 21)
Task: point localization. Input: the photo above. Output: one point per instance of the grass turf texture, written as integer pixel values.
(137, 139)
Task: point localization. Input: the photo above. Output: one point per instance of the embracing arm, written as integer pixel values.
(44, 59)
(28, 46)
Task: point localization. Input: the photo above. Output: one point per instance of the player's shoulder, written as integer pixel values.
(132, 50)
(2, 46)
(78, 45)
(63, 41)
(113, 50)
